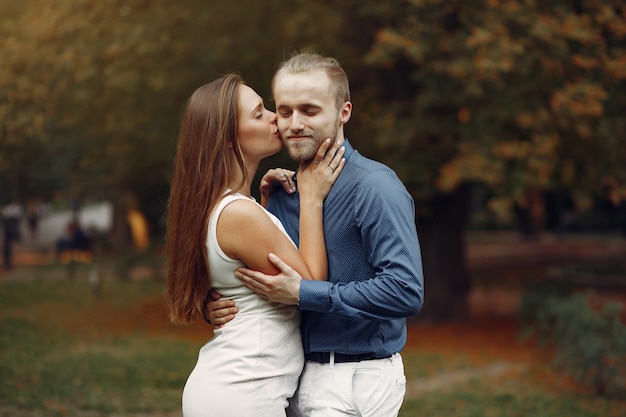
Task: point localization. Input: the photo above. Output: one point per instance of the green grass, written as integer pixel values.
(515, 394)
(65, 351)
(508, 399)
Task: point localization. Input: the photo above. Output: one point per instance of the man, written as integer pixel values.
(353, 325)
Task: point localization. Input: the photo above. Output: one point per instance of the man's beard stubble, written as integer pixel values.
(302, 151)
(306, 150)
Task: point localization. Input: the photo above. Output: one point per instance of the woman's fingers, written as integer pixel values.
(329, 154)
(275, 176)
(321, 152)
(286, 179)
(338, 168)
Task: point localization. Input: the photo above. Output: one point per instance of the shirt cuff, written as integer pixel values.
(315, 295)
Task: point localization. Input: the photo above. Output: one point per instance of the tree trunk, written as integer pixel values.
(530, 213)
(121, 237)
(442, 241)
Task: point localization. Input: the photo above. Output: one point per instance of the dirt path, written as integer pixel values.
(449, 379)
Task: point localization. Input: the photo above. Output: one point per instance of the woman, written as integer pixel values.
(250, 367)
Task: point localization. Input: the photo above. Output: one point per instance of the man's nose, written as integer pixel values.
(297, 123)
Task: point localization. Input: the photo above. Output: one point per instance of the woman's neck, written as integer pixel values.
(245, 188)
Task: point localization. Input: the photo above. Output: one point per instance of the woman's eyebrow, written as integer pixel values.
(257, 107)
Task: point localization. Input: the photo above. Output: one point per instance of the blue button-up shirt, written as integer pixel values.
(375, 277)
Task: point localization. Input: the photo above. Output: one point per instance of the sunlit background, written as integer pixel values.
(505, 120)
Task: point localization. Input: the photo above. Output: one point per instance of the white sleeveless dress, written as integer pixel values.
(250, 367)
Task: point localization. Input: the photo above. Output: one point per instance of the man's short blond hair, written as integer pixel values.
(306, 61)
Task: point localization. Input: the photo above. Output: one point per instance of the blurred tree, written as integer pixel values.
(99, 85)
(519, 95)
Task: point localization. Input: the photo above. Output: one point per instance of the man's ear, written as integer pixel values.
(345, 112)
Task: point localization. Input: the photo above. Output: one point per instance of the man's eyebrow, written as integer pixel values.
(303, 106)
(310, 108)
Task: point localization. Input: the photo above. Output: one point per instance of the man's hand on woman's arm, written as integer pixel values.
(282, 288)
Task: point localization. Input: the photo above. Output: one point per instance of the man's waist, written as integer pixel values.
(325, 333)
(336, 357)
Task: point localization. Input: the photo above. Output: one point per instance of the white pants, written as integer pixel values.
(371, 388)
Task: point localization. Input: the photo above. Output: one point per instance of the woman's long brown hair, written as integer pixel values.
(207, 143)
